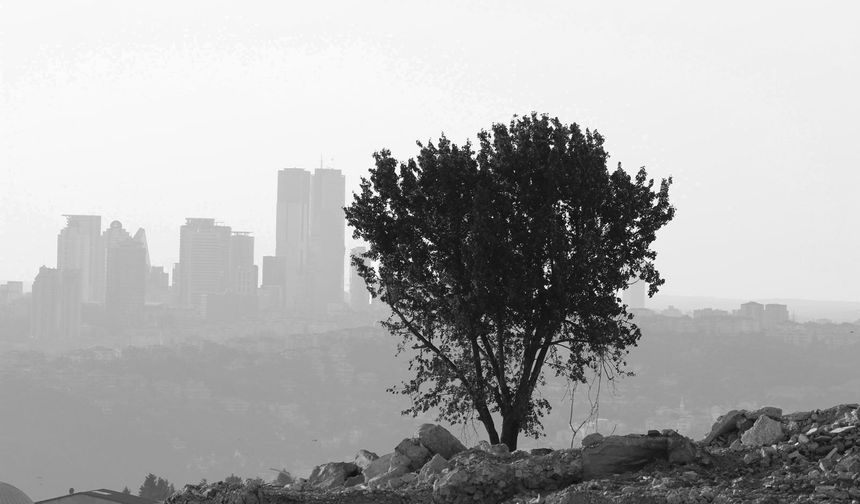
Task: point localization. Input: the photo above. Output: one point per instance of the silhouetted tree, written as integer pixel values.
(155, 488)
(500, 263)
(284, 477)
(126, 491)
(233, 479)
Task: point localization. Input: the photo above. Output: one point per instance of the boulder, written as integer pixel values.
(363, 458)
(765, 431)
(417, 454)
(499, 450)
(550, 472)
(388, 479)
(390, 462)
(475, 476)
(621, 454)
(433, 468)
(592, 439)
(437, 439)
(770, 411)
(331, 475)
(679, 449)
(724, 425)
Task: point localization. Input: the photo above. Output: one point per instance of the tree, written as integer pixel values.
(501, 264)
(126, 491)
(233, 479)
(155, 488)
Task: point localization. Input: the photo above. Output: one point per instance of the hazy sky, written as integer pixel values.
(149, 112)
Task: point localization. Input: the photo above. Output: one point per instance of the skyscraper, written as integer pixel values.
(292, 222)
(243, 275)
(126, 276)
(80, 247)
(56, 304)
(204, 258)
(327, 249)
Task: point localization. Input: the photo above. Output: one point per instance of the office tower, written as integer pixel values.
(204, 257)
(56, 304)
(359, 297)
(243, 272)
(327, 230)
(292, 223)
(634, 294)
(157, 285)
(80, 247)
(126, 277)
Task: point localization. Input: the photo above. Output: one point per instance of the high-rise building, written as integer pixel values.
(56, 304)
(292, 232)
(204, 259)
(80, 247)
(359, 297)
(243, 272)
(157, 285)
(327, 236)
(126, 276)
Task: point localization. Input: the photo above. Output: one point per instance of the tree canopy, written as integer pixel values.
(501, 264)
(155, 488)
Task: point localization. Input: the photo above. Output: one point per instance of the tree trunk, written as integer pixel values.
(510, 431)
(487, 419)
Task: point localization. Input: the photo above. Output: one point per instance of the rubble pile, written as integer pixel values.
(760, 456)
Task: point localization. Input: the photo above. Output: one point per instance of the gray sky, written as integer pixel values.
(149, 112)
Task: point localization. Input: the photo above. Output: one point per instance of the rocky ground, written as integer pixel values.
(761, 456)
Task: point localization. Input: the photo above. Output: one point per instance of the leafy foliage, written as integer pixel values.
(501, 262)
(155, 488)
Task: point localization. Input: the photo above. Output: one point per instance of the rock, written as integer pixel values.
(332, 475)
(363, 458)
(352, 481)
(592, 439)
(540, 451)
(765, 431)
(770, 411)
(499, 450)
(417, 454)
(437, 439)
(724, 425)
(475, 476)
(390, 462)
(679, 449)
(549, 472)
(620, 454)
(386, 479)
(433, 468)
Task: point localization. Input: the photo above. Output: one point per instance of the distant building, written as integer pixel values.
(10, 291)
(157, 285)
(204, 258)
(671, 311)
(752, 311)
(775, 314)
(310, 240)
(292, 234)
(359, 297)
(80, 247)
(634, 294)
(126, 276)
(101, 496)
(243, 273)
(328, 230)
(56, 304)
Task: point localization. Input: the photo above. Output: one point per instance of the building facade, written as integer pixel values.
(80, 247)
(204, 259)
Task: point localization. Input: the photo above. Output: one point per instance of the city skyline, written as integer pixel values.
(163, 112)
